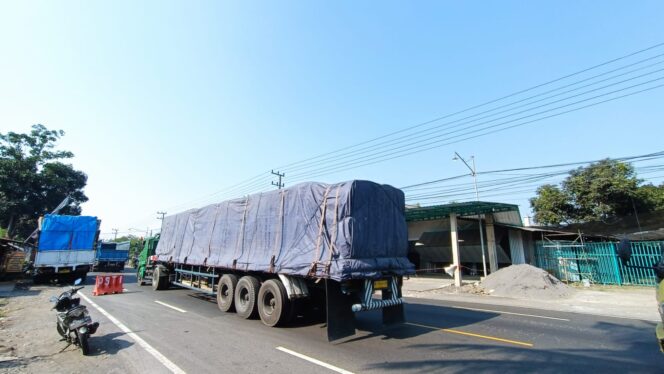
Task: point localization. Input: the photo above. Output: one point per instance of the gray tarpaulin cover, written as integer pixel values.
(341, 231)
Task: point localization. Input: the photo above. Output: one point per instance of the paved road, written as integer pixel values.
(439, 337)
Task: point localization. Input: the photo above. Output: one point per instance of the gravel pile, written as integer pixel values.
(525, 281)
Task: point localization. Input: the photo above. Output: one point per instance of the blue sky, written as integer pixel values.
(165, 103)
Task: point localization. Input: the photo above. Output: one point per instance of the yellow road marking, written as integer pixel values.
(451, 331)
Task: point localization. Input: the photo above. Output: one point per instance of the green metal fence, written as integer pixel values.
(598, 262)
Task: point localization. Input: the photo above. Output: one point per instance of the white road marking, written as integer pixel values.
(512, 313)
(124, 290)
(171, 306)
(314, 361)
(151, 350)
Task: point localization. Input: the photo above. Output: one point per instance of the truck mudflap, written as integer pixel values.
(341, 308)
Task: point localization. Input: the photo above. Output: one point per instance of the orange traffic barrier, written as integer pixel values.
(108, 284)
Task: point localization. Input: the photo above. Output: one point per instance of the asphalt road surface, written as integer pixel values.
(179, 330)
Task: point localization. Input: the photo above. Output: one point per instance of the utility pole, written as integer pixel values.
(280, 175)
(162, 214)
(477, 197)
(115, 232)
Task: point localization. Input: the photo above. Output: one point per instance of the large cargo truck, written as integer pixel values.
(111, 256)
(333, 247)
(65, 247)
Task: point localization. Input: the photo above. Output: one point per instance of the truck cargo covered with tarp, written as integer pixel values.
(65, 245)
(61, 233)
(349, 230)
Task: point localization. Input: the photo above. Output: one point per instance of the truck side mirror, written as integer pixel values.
(624, 251)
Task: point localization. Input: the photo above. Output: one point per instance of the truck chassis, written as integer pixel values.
(277, 298)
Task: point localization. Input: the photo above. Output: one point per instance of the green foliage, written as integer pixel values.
(600, 191)
(551, 205)
(652, 197)
(33, 181)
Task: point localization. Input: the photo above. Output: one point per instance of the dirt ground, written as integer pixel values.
(613, 301)
(29, 342)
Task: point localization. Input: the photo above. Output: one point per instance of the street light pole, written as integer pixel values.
(477, 197)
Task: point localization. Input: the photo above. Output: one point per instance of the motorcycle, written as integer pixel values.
(73, 321)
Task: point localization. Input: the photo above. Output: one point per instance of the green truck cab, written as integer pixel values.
(625, 253)
(145, 263)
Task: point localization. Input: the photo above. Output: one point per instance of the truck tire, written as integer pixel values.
(226, 292)
(139, 278)
(274, 307)
(159, 278)
(246, 292)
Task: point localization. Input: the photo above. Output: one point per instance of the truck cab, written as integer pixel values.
(145, 262)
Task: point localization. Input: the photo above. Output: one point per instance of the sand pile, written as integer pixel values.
(525, 281)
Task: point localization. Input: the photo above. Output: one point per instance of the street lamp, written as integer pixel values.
(477, 197)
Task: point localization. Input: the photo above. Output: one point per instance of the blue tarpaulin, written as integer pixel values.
(354, 229)
(60, 233)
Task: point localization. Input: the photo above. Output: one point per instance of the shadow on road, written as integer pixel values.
(429, 317)
(108, 344)
(518, 360)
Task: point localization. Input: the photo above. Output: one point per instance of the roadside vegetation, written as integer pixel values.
(602, 191)
(34, 180)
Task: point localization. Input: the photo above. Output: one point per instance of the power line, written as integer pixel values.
(483, 104)
(505, 186)
(424, 132)
(256, 182)
(491, 129)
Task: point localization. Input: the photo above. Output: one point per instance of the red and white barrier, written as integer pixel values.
(108, 284)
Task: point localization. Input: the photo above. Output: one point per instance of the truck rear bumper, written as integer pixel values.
(73, 260)
(659, 331)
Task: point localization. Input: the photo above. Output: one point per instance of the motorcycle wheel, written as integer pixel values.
(60, 330)
(83, 343)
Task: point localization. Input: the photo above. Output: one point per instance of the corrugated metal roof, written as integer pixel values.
(503, 213)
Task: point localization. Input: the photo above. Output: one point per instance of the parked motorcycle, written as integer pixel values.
(73, 320)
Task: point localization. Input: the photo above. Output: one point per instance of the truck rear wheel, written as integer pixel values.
(245, 296)
(159, 278)
(274, 307)
(226, 292)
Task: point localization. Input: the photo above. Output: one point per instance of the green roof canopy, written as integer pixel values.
(429, 213)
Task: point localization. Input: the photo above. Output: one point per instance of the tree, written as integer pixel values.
(652, 196)
(551, 205)
(33, 180)
(600, 191)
